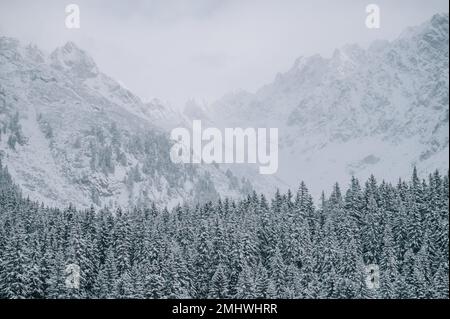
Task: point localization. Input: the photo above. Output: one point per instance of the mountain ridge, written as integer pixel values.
(389, 98)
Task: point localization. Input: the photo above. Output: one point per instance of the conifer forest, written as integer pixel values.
(281, 247)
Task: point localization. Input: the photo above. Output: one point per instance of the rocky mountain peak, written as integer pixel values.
(74, 60)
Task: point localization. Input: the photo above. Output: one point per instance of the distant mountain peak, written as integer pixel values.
(72, 58)
(71, 46)
(439, 19)
(6, 42)
(438, 24)
(33, 52)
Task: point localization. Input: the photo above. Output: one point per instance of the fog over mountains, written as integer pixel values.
(70, 133)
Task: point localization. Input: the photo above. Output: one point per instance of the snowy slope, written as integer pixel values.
(379, 110)
(71, 134)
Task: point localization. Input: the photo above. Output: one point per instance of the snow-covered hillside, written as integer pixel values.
(71, 134)
(379, 110)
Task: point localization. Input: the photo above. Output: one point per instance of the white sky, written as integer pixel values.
(181, 49)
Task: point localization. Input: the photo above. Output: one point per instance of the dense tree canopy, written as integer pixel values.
(252, 248)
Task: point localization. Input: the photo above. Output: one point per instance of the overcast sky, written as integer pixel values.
(181, 49)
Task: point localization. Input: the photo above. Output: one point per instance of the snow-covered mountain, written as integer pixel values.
(378, 110)
(71, 134)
